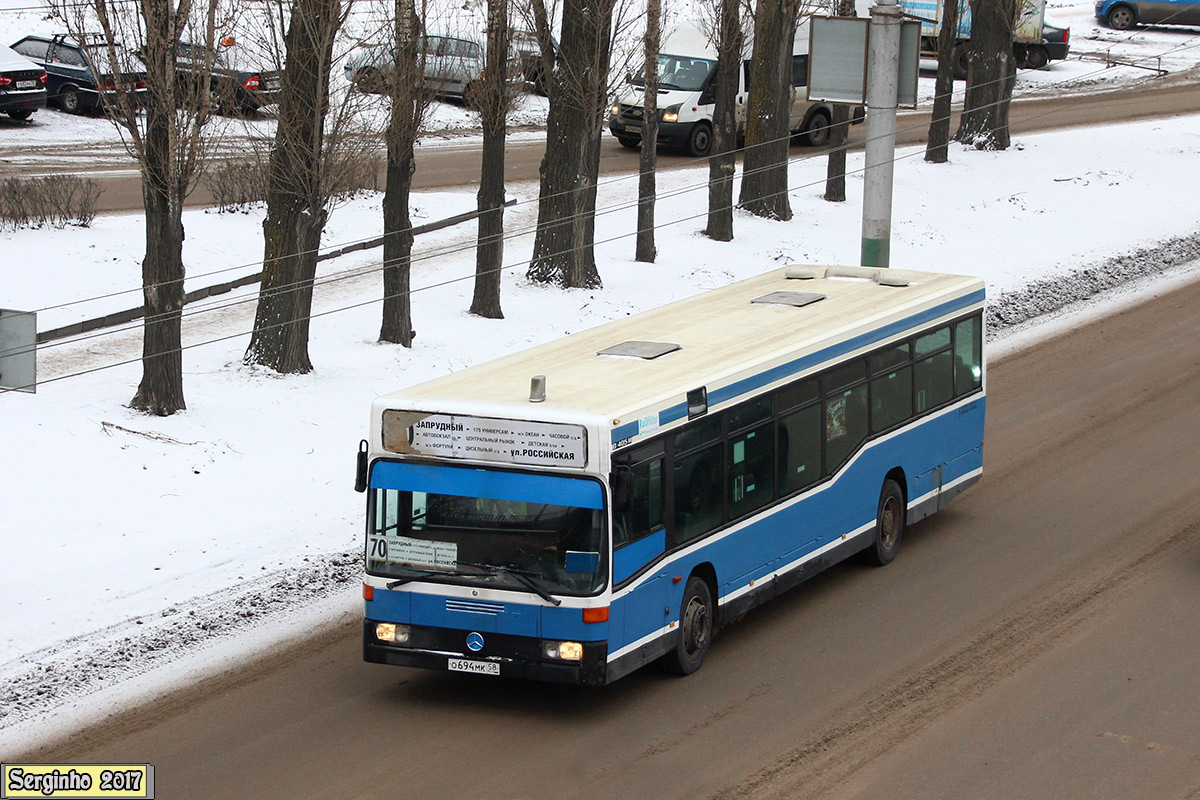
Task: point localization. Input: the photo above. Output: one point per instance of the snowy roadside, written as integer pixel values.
(89, 677)
(137, 564)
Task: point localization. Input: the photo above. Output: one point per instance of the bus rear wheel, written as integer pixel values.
(695, 628)
(889, 526)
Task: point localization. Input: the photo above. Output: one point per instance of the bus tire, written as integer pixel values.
(889, 526)
(695, 628)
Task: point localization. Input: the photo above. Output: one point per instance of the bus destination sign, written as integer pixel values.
(508, 441)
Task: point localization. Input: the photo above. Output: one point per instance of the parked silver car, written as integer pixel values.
(451, 65)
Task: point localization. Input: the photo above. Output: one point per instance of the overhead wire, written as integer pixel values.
(442, 252)
(604, 183)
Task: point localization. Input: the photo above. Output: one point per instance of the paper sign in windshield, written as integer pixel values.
(509, 441)
(419, 552)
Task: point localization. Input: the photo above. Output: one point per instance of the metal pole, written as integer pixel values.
(883, 67)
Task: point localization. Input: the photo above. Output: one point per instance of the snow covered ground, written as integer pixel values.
(143, 552)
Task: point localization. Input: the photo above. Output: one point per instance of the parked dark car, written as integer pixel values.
(1057, 41)
(22, 85)
(525, 48)
(234, 86)
(79, 78)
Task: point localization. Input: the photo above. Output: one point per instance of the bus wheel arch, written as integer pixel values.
(890, 516)
(697, 622)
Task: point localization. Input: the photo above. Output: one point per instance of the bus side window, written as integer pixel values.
(968, 356)
(845, 424)
(800, 449)
(698, 495)
(645, 513)
(891, 399)
(751, 475)
(933, 376)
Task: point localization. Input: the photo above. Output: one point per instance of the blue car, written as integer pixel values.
(1122, 15)
(79, 78)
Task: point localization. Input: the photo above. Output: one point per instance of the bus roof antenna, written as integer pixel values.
(537, 389)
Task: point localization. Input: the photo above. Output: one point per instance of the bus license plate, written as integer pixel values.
(478, 667)
(633, 128)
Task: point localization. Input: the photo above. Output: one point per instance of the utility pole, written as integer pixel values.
(883, 68)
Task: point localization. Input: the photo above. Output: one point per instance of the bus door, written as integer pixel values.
(639, 543)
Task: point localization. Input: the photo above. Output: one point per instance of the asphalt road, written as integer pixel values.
(442, 165)
(1037, 639)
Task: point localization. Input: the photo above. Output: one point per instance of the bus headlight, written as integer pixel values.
(392, 633)
(563, 651)
(671, 113)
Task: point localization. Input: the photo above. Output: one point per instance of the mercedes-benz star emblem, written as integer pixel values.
(474, 642)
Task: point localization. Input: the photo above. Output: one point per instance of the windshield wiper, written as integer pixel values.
(524, 577)
(431, 573)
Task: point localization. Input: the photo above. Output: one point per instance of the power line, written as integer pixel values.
(607, 182)
(463, 248)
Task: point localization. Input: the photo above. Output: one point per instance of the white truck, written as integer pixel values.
(687, 68)
(1028, 47)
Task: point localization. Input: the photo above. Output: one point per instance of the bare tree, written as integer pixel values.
(493, 98)
(990, 76)
(168, 142)
(298, 190)
(648, 160)
(839, 131)
(722, 164)
(768, 111)
(577, 87)
(410, 101)
(937, 146)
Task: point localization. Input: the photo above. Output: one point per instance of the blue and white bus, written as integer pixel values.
(574, 511)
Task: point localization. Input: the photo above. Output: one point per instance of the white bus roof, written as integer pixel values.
(726, 342)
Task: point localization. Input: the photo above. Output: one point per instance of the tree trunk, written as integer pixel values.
(723, 163)
(397, 248)
(768, 111)
(408, 104)
(295, 208)
(164, 149)
(990, 78)
(835, 172)
(493, 110)
(562, 245)
(161, 389)
(645, 249)
(839, 131)
(937, 148)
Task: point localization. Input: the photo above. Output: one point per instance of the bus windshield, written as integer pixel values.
(506, 536)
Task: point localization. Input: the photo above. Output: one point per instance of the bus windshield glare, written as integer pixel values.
(503, 543)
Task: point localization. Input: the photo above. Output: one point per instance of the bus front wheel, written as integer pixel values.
(695, 628)
(889, 526)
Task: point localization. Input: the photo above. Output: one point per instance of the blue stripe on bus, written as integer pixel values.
(791, 532)
(773, 542)
(746, 385)
(492, 484)
(633, 556)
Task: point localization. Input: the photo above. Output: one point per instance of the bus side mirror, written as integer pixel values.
(621, 480)
(360, 474)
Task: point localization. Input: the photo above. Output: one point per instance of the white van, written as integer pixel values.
(687, 68)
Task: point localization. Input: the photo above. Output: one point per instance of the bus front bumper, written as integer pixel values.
(504, 656)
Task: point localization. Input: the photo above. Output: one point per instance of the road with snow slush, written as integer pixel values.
(1037, 639)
